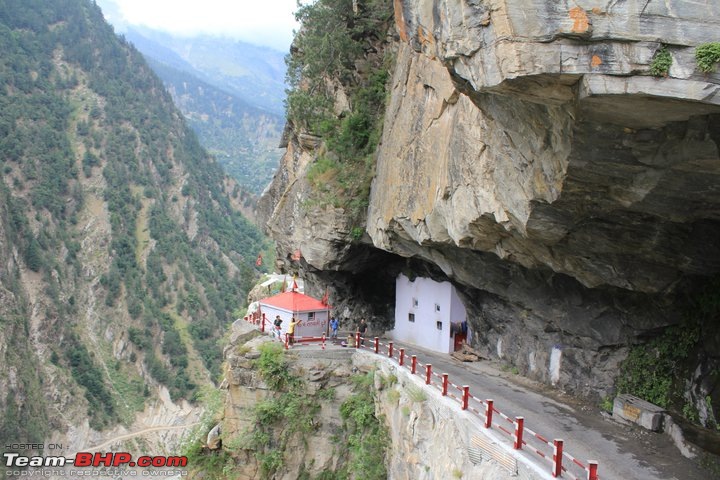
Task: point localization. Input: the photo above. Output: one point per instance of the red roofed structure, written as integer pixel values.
(312, 313)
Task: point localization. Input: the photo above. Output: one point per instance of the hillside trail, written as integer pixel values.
(139, 433)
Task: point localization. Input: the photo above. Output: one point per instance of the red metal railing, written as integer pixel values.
(522, 437)
(515, 428)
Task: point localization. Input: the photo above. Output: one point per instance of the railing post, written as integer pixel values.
(357, 339)
(262, 323)
(323, 341)
(377, 345)
(413, 364)
(519, 425)
(488, 413)
(465, 397)
(390, 349)
(287, 342)
(428, 373)
(402, 357)
(592, 470)
(444, 384)
(557, 457)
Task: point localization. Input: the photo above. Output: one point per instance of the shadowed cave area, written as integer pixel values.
(519, 315)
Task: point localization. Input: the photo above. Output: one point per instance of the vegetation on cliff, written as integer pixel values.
(284, 426)
(340, 51)
(707, 56)
(119, 226)
(367, 437)
(660, 370)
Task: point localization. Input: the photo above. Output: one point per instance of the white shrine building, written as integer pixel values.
(428, 314)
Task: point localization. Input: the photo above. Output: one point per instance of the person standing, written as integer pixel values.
(362, 328)
(334, 325)
(291, 330)
(278, 326)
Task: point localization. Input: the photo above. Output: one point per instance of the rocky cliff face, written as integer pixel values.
(321, 448)
(530, 157)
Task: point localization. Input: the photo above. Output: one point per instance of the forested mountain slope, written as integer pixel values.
(253, 73)
(244, 139)
(122, 257)
(232, 101)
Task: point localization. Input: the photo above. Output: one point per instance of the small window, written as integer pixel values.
(439, 325)
(415, 302)
(437, 307)
(311, 315)
(411, 317)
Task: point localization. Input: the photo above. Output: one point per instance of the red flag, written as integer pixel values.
(325, 297)
(295, 285)
(258, 262)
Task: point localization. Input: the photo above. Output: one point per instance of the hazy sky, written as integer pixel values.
(263, 22)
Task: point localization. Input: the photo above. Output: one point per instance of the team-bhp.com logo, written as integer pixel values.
(17, 463)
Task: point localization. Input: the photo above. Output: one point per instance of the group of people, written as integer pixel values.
(290, 329)
(351, 338)
(334, 328)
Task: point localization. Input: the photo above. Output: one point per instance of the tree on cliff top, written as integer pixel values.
(335, 38)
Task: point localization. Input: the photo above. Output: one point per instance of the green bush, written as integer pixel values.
(649, 370)
(661, 62)
(33, 254)
(270, 463)
(367, 434)
(273, 367)
(607, 404)
(707, 55)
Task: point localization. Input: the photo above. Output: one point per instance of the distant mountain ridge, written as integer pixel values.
(253, 73)
(235, 107)
(243, 138)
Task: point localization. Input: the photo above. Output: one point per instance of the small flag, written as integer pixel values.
(325, 297)
(258, 262)
(295, 285)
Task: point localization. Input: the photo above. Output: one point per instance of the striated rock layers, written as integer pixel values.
(529, 157)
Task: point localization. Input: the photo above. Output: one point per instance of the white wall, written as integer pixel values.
(313, 328)
(424, 332)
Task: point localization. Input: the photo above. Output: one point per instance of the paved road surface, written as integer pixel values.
(623, 452)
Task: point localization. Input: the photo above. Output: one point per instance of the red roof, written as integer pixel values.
(294, 302)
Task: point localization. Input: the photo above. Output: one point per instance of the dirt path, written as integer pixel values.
(139, 433)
